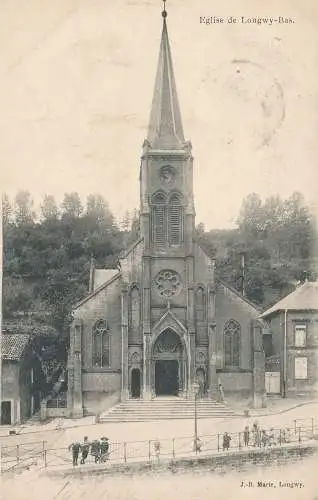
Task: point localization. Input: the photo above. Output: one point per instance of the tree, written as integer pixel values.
(23, 208)
(98, 209)
(250, 220)
(71, 206)
(6, 210)
(49, 209)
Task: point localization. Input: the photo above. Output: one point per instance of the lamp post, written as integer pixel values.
(195, 389)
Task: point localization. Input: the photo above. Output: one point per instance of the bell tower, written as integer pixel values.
(167, 219)
(166, 177)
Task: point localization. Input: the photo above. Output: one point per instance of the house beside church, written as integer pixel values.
(293, 342)
(20, 370)
(162, 322)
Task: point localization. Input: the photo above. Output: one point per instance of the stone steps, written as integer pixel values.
(165, 409)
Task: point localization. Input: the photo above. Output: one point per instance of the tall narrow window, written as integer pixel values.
(232, 339)
(200, 305)
(300, 335)
(159, 219)
(101, 344)
(134, 309)
(175, 221)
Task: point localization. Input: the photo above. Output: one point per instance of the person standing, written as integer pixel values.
(246, 435)
(95, 450)
(104, 449)
(85, 450)
(75, 447)
(226, 441)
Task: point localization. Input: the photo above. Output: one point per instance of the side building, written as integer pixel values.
(292, 341)
(20, 394)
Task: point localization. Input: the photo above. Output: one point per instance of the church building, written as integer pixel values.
(162, 323)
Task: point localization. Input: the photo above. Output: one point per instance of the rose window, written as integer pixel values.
(168, 283)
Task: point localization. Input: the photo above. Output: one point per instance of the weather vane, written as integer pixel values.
(164, 12)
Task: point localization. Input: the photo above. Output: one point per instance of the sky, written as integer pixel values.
(77, 83)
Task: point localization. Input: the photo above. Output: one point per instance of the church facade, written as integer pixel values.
(162, 323)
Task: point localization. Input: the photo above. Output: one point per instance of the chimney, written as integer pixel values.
(243, 273)
(91, 275)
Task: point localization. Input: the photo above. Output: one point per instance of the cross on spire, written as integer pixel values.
(164, 12)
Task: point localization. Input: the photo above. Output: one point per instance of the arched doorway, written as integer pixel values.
(168, 364)
(135, 383)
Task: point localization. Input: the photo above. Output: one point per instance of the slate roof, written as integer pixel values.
(13, 345)
(305, 297)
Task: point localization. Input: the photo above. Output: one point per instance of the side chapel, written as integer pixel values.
(163, 321)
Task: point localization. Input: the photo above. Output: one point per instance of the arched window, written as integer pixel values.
(200, 305)
(175, 222)
(159, 219)
(167, 219)
(232, 339)
(101, 344)
(134, 309)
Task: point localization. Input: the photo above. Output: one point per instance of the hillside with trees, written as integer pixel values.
(47, 255)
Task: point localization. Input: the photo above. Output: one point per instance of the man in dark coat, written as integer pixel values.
(75, 447)
(85, 450)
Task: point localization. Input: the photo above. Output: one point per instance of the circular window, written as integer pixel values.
(168, 283)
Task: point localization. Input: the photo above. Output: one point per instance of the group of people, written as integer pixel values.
(258, 437)
(98, 448)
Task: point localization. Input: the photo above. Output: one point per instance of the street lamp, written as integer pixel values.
(196, 387)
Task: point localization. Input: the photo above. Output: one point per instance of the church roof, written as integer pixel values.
(165, 129)
(305, 297)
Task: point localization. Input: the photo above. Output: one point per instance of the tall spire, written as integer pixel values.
(165, 129)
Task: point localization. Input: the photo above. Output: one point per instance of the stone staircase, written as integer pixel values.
(161, 408)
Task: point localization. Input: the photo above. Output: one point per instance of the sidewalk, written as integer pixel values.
(274, 406)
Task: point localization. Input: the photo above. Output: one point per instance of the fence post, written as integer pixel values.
(43, 449)
(18, 454)
(299, 434)
(280, 437)
(239, 440)
(173, 450)
(218, 442)
(149, 450)
(125, 452)
(45, 462)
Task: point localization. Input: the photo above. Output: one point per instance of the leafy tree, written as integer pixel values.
(6, 210)
(23, 208)
(71, 206)
(49, 209)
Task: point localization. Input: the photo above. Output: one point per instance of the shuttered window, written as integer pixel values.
(167, 220)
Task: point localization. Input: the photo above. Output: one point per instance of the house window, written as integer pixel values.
(301, 369)
(300, 335)
(232, 339)
(101, 345)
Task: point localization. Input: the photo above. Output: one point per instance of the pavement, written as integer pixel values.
(61, 432)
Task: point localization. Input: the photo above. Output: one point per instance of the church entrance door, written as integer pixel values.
(135, 383)
(166, 377)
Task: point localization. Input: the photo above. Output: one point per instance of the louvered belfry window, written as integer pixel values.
(159, 219)
(167, 220)
(175, 222)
